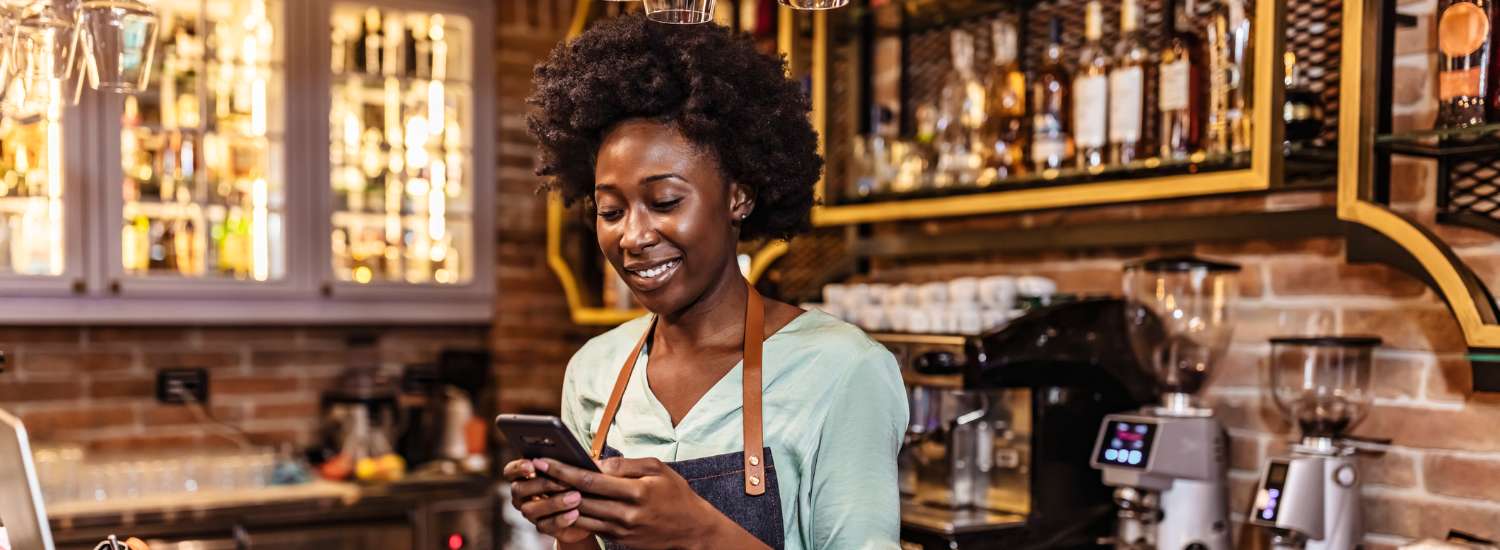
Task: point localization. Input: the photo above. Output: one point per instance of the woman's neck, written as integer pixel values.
(715, 319)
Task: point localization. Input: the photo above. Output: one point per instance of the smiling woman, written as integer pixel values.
(721, 419)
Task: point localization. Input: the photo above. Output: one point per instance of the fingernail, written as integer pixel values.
(572, 497)
(570, 517)
(539, 464)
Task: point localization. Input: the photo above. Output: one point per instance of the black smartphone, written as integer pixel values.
(544, 437)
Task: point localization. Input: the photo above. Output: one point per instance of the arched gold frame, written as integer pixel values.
(1357, 128)
(585, 314)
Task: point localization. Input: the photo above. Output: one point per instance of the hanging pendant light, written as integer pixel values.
(120, 39)
(680, 12)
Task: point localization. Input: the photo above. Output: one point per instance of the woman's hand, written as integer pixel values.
(551, 506)
(642, 503)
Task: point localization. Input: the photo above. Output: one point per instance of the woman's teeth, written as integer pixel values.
(654, 272)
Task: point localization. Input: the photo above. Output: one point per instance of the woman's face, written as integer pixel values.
(666, 215)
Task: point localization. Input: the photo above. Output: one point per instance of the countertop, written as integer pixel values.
(224, 511)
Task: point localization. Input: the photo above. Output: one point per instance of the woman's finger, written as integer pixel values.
(556, 523)
(631, 467)
(541, 486)
(593, 483)
(550, 506)
(612, 511)
(519, 469)
(599, 526)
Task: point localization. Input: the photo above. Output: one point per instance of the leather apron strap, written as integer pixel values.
(755, 329)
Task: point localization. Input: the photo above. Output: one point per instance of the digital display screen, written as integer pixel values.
(1268, 498)
(1126, 443)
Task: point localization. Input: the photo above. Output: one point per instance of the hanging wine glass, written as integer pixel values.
(814, 4)
(119, 38)
(45, 46)
(46, 36)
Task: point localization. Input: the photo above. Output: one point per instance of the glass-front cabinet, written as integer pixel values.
(290, 161)
(199, 173)
(400, 146)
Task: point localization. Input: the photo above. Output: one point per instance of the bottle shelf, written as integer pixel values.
(1143, 169)
(1483, 139)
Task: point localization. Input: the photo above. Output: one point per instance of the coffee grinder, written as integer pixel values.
(1167, 463)
(1311, 498)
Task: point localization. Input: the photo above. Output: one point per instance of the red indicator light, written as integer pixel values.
(455, 542)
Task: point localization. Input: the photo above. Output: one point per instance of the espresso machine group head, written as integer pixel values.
(1310, 499)
(1168, 462)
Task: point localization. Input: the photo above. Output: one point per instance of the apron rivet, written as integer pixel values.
(754, 481)
(755, 461)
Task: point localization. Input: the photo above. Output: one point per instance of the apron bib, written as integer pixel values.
(741, 485)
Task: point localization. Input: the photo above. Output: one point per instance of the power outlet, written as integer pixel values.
(171, 383)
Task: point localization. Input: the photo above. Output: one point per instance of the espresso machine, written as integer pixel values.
(1311, 499)
(995, 456)
(1168, 462)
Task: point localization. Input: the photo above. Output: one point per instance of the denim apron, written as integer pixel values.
(740, 485)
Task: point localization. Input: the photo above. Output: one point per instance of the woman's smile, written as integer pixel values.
(646, 276)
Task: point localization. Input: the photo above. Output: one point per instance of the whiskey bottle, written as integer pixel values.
(1227, 39)
(1051, 138)
(1127, 92)
(1004, 135)
(1091, 93)
(1180, 94)
(367, 51)
(960, 113)
(1463, 59)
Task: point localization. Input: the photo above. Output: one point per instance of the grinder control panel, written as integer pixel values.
(1267, 506)
(1126, 443)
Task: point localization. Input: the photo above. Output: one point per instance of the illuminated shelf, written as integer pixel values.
(1148, 168)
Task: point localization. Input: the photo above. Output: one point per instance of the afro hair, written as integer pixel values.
(706, 81)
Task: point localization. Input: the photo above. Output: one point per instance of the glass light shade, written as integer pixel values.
(1323, 383)
(119, 36)
(1180, 315)
(47, 39)
(680, 12)
(814, 4)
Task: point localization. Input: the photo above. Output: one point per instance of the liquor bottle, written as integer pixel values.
(1180, 94)
(1051, 140)
(1227, 39)
(370, 37)
(960, 113)
(1463, 59)
(1127, 92)
(1091, 93)
(1005, 122)
(1303, 112)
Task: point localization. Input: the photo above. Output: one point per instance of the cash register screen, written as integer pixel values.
(1127, 444)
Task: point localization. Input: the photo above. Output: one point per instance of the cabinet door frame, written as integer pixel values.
(481, 173)
(76, 225)
(294, 284)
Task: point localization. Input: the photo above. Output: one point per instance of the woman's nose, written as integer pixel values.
(639, 232)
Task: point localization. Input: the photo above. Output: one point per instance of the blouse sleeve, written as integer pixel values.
(854, 494)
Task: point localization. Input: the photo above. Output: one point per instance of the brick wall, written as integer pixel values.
(95, 384)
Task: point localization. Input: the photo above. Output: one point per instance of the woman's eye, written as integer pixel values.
(611, 215)
(666, 204)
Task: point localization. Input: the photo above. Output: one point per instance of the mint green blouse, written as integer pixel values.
(834, 410)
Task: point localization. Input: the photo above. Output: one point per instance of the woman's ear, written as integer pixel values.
(741, 202)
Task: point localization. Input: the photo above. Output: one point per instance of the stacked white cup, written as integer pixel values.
(965, 305)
